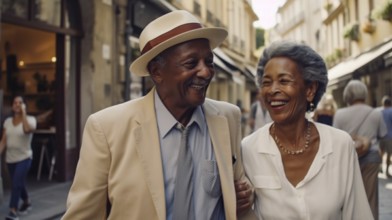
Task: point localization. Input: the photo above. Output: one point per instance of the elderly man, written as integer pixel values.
(172, 154)
(360, 119)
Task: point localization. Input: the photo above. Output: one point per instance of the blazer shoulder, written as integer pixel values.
(123, 111)
(222, 106)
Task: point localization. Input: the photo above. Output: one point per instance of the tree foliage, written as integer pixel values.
(259, 37)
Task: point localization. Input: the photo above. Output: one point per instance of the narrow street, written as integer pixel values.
(385, 194)
(49, 199)
(385, 198)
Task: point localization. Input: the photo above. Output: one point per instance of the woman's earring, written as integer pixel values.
(311, 106)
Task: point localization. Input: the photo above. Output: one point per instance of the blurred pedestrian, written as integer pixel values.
(300, 169)
(16, 139)
(361, 119)
(325, 110)
(172, 154)
(386, 142)
(258, 116)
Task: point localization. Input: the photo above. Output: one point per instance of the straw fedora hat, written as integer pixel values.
(168, 30)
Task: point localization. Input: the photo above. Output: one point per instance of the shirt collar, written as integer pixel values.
(166, 120)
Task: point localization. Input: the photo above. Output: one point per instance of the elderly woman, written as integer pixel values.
(361, 119)
(300, 169)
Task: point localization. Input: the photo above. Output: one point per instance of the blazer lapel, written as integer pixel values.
(218, 128)
(149, 151)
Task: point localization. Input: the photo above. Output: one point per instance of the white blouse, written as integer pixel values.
(18, 143)
(332, 188)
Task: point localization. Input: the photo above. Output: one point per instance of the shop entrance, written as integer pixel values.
(28, 68)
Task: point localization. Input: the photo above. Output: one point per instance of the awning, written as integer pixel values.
(248, 71)
(252, 70)
(219, 52)
(222, 65)
(166, 5)
(349, 66)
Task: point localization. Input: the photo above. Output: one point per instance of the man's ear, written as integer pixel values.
(155, 72)
(311, 91)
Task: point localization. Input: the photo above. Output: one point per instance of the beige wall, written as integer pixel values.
(300, 20)
(331, 25)
(237, 17)
(102, 78)
(102, 72)
(334, 28)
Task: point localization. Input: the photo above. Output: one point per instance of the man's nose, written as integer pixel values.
(205, 71)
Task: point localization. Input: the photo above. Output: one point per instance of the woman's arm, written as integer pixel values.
(27, 128)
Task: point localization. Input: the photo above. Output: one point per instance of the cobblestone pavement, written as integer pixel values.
(49, 199)
(385, 193)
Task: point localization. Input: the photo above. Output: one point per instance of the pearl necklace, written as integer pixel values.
(293, 152)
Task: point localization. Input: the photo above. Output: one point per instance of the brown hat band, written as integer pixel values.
(175, 31)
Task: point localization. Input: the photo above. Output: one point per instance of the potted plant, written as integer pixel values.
(384, 12)
(351, 31)
(368, 26)
(330, 59)
(338, 54)
(328, 6)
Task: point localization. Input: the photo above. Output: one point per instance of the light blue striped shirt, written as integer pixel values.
(207, 189)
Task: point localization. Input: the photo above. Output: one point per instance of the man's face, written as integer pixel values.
(184, 76)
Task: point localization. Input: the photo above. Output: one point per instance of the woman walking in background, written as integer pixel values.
(16, 138)
(258, 116)
(358, 118)
(325, 110)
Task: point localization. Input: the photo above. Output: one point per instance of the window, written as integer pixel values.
(15, 7)
(48, 11)
(196, 8)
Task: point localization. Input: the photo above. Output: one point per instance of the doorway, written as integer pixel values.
(28, 68)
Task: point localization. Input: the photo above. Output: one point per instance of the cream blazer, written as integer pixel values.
(120, 161)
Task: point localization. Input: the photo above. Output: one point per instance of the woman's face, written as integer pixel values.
(284, 91)
(17, 104)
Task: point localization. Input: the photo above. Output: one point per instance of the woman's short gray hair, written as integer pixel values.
(355, 90)
(309, 61)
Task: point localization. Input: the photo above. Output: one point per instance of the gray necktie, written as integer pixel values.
(183, 193)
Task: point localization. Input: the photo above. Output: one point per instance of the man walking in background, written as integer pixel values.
(386, 142)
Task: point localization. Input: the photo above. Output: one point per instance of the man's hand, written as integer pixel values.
(244, 194)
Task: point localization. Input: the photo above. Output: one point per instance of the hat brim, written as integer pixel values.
(214, 35)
